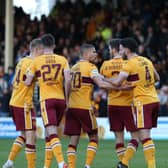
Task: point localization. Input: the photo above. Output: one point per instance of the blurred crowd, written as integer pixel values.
(75, 23)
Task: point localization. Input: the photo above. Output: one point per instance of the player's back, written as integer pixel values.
(81, 85)
(22, 95)
(49, 71)
(110, 69)
(142, 75)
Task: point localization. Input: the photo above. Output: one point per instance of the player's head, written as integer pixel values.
(36, 47)
(48, 41)
(128, 45)
(114, 46)
(88, 52)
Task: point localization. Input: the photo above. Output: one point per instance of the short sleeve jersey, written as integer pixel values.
(48, 70)
(22, 95)
(82, 85)
(141, 73)
(110, 69)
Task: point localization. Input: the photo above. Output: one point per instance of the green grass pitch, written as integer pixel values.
(105, 158)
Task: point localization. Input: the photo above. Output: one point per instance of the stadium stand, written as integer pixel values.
(146, 21)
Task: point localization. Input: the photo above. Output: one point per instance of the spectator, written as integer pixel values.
(3, 93)
(84, 22)
(163, 96)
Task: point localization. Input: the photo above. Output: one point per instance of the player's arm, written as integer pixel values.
(101, 83)
(156, 75)
(119, 80)
(29, 79)
(67, 83)
(103, 76)
(30, 75)
(98, 79)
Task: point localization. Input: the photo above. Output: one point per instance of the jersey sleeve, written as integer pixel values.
(94, 71)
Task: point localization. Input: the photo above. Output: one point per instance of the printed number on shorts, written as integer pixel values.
(50, 72)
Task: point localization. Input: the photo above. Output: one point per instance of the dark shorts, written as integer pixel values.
(146, 115)
(77, 119)
(52, 111)
(121, 117)
(24, 118)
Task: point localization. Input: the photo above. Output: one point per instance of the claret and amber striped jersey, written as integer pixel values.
(49, 71)
(141, 73)
(22, 95)
(110, 69)
(82, 84)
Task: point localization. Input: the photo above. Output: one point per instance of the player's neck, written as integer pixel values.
(48, 51)
(31, 55)
(132, 55)
(83, 59)
(117, 56)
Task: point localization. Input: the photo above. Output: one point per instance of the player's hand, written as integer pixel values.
(127, 86)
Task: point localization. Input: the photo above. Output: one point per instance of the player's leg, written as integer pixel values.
(30, 134)
(48, 152)
(89, 125)
(129, 124)
(71, 152)
(148, 147)
(119, 144)
(51, 118)
(17, 145)
(117, 126)
(18, 118)
(91, 149)
(73, 129)
(55, 145)
(131, 148)
(30, 149)
(146, 119)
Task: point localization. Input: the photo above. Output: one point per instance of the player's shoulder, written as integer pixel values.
(91, 65)
(60, 57)
(145, 59)
(40, 57)
(25, 60)
(85, 63)
(75, 67)
(106, 62)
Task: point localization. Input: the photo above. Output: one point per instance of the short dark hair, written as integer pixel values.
(114, 43)
(35, 43)
(130, 43)
(48, 40)
(85, 47)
